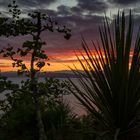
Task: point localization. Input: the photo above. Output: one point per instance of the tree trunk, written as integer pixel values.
(42, 134)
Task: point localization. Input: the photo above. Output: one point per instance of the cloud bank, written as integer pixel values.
(83, 18)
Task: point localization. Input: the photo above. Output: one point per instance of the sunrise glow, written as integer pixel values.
(82, 17)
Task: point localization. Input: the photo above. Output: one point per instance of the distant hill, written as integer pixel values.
(9, 74)
(61, 74)
(54, 74)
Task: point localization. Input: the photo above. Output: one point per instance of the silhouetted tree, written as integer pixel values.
(34, 26)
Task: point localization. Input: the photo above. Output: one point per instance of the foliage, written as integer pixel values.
(110, 86)
(6, 84)
(34, 25)
(18, 121)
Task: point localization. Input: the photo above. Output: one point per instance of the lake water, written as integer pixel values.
(73, 102)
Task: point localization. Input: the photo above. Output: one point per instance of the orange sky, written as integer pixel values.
(81, 16)
(57, 63)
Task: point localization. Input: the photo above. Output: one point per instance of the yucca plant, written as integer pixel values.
(110, 82)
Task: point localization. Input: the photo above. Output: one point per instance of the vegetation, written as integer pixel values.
(35, 110)
(110, 85)
(32, 26)
(18, 121)
(109, 91)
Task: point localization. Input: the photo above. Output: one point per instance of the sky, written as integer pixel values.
(83, 17)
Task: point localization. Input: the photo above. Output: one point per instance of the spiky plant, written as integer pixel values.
(110, 84)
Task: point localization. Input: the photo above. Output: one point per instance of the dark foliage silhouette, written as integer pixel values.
(110, 84)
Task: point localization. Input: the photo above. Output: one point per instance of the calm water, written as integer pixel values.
(75, 105)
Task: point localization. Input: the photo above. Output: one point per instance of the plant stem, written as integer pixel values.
(42, 134)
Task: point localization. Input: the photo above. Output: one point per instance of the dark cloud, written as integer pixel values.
(4, 2)
(86, 26)
(68, 11)
(27, 3)
(124, 2)
(92, 5)
(76, 10)
(35, 2)
(87, 7)
(83, 7)
(49, 12)
(72, 17)
(63, 10)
